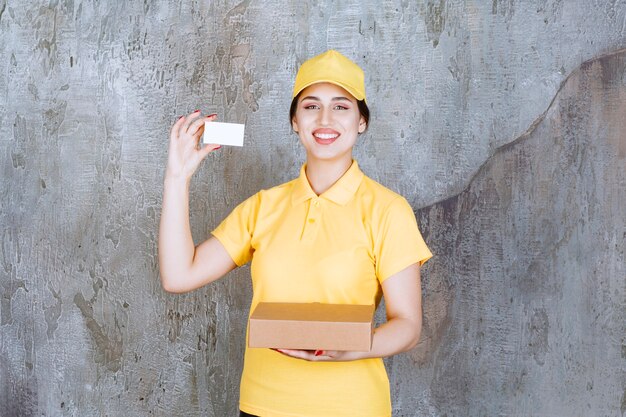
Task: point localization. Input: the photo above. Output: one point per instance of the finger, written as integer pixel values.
(176, 127)
(298, 354)
(207, 149)
(198, 124)
(189, 120)
(183, 124)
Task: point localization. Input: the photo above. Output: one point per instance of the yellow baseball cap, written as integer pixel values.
(331, 67)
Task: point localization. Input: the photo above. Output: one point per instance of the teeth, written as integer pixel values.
(326, 135)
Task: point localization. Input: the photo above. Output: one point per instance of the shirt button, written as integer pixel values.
(311, 220)
(316, 203)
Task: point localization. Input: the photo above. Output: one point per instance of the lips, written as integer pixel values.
(325, 136)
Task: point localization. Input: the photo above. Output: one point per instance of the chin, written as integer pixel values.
(329, 156)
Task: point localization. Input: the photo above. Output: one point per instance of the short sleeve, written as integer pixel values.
(236, 230)
(398, 242)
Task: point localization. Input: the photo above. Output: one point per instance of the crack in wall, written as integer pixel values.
(530, 129)
(108, 352)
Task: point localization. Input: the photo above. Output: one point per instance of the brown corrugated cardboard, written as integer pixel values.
(311, 326)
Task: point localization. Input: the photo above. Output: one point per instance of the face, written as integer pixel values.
(328, 121)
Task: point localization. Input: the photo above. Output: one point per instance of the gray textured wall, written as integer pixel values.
(502, 122)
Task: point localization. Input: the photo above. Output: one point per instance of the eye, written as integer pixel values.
(340, 107)
(311, 107)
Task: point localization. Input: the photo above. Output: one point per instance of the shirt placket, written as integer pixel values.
(312, 221)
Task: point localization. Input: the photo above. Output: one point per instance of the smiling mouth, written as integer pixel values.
(325, 138)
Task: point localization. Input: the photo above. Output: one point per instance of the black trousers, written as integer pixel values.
(242, 414)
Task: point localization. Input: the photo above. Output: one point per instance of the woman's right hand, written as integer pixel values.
(184, 155)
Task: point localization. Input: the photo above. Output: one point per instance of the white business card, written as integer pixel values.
(230, 134)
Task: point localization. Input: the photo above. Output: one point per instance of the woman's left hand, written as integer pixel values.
(318, 355)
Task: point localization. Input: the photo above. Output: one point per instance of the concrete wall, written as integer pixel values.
(502, 122)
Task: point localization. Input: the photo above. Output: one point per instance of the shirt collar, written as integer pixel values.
(340, 192)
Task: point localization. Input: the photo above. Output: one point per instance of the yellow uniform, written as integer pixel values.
(334, 248)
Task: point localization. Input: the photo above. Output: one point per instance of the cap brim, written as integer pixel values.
(348, 88)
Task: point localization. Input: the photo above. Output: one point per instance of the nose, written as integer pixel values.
(325, 116)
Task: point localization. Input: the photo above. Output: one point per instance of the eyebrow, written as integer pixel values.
(340, 98)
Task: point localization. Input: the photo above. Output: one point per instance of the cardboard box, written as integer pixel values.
(311, 326)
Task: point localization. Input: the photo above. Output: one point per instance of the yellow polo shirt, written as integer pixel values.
(334, 248)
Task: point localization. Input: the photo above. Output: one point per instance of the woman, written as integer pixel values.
(332, 235)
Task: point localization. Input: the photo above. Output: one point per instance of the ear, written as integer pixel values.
(362, 125)
(294, 125)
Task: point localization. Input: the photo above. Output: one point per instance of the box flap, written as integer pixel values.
(319, 312)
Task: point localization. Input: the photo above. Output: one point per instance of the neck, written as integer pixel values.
(323, 174)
